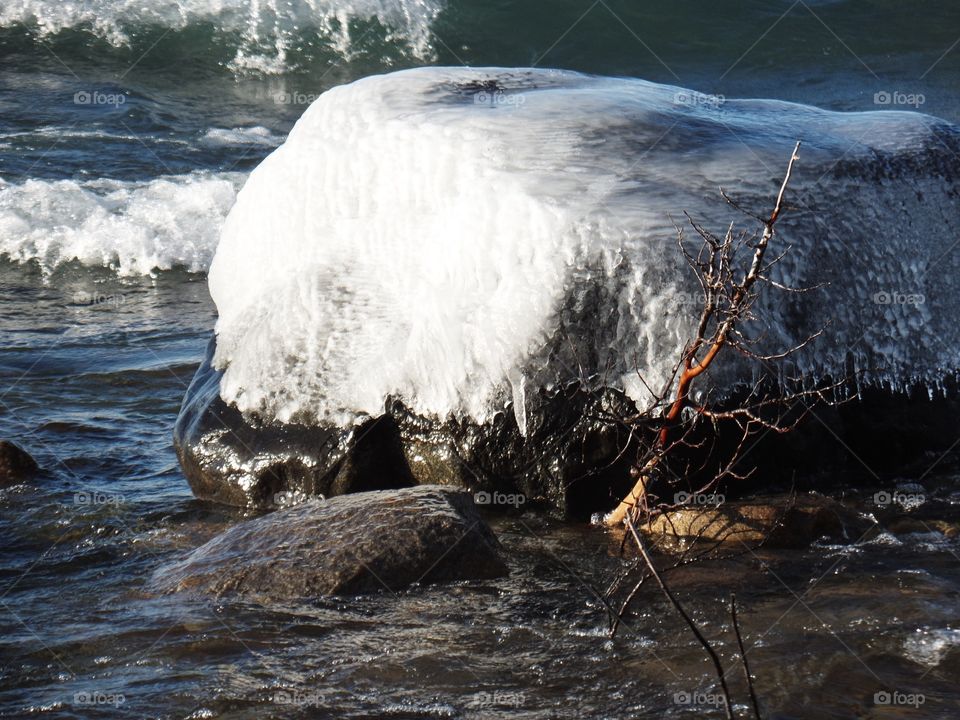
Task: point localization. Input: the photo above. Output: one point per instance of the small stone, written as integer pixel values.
(16, 465)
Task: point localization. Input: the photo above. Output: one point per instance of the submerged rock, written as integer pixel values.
(774, 522)
(16, 465)
(365, 542)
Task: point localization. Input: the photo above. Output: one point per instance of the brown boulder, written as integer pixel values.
(350, 544)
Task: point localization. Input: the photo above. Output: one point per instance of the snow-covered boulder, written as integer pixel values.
(466, 244)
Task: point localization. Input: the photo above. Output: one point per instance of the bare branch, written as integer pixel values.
(727, 302)
(743, 657)
(718, 667)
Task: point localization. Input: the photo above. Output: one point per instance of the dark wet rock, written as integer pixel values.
(363, 542)
(775, 522)
(574, 459)
(234, 460)
(568, 459)
(571, 460)
(16, 465)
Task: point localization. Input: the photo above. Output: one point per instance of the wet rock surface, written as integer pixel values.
(16, 464)
(360, 543)
(572, 458)
(235, 460)
(784, 522)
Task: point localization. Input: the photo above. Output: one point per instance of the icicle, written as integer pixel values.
(518, 387)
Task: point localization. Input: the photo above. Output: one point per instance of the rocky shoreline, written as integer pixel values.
(387, 481)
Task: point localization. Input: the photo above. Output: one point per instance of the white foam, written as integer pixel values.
(134, 227)
(423, 236)
(269, 27)
(257, 135)
(929, 646)
(62, 132)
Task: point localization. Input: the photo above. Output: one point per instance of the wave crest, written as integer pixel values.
(133, 227)
(267, 34)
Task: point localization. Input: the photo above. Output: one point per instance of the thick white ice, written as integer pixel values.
(135, 227)
(460, 237)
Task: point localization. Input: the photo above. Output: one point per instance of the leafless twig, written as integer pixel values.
(673, 425)
(743, 657)
(718, 667)
(729, 295)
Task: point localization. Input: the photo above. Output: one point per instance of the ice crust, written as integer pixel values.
(462, 239)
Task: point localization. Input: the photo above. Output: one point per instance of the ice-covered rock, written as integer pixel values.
(459, 238)
(488, 256)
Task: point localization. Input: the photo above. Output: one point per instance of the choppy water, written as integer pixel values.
(93, 367)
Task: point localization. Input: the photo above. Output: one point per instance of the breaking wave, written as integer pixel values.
(133, 227)
(268, 37)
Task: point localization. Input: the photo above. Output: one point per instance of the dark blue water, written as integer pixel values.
(96, 115)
